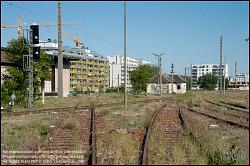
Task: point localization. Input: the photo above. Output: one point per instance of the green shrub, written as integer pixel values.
(44, 130)
(190, 102)
(229, 158)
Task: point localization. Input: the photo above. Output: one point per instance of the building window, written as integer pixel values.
(178, 86)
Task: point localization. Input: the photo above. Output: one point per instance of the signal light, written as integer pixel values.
(36, 54)
(35, 34)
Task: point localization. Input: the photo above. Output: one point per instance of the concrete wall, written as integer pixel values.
(66, 81)
(244, 88)
(182, 89)
(170, 88)
(47, 86)
(117, 71)
(155, 88)
(166, 88)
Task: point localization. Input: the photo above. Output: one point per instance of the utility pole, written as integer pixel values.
(60, 56)
(118, 83)
(220, 64)
(191, 79)
(125, 59)
(225, 74)
(158, 70)
(235, 73)
(187, 85)
(112, 74)
(185, 74)
(172, 72)
(160, 75)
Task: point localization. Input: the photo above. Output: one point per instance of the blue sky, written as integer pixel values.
(187, 32)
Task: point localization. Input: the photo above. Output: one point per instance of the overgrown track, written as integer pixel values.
(234, 97)
(26, 112)
(147, 135)
(92, 139)
(77, 107)
(219, 119)
(61, 144)
(234, 105)
(168, 123)
(231, 106)
(185, 128)
(64, 138)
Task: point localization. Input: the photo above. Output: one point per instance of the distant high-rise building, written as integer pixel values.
(49, 46)
(202, 69)
(242, 81)
(117, 69)
(83, 69)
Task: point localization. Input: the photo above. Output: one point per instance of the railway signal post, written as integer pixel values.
(28, 60)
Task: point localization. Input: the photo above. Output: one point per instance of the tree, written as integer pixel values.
(207, 81)
(17, 81)
(141, 75)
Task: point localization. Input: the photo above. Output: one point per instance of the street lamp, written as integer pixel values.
(159, 65)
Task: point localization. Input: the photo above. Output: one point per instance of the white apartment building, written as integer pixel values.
(49, 46)
(117, 69)
(242, 81)
(78, 63)
(202, 69)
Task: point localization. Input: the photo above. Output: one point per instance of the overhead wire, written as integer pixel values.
(83, 32)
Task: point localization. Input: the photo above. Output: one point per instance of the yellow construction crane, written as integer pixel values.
(75, 39)
(20, 26)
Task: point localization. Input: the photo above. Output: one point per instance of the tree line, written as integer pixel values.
(16, 81)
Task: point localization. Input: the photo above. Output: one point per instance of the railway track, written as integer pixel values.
(197, 132)
(234, 105)
(62, 139)
(190, 133)
(77, 107)
(169, 120)
(234, 97)
(220, 119)
(61, 144)
(227, 105)
(51, 110)
(92, 139)
(144, 157)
